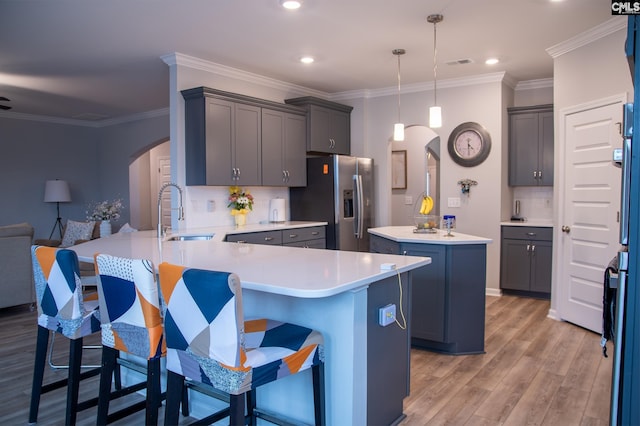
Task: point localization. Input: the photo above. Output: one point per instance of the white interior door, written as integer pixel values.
(590, 205)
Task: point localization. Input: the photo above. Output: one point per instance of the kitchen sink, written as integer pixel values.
(190, 237)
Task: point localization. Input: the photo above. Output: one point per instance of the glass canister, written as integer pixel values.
(449, 223)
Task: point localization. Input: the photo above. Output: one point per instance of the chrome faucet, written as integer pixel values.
(161, 232)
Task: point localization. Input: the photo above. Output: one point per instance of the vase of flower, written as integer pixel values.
(241, 203)
(105, 212)
(105, 228)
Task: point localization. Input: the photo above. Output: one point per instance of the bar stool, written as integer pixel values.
(209, 342)
(132, 324)
(63, 310)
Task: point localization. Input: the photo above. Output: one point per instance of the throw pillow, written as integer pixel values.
(75, 231)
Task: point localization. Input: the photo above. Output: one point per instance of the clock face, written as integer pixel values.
(469, 144)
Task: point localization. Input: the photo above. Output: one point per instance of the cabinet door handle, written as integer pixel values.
(404, 252)
(539, 174)
(528, 247)
(533, 249)
(535, 174)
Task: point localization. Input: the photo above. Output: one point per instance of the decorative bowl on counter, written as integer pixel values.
(426, 222)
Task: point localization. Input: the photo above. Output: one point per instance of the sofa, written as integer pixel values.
(72, 234)
(16, 273)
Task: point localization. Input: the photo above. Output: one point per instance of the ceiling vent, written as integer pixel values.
(460, 62)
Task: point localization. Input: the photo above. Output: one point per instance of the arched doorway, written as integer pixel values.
(149, 169)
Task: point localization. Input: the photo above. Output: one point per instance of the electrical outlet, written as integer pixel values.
(408, 200)
(387, 315)
(453, 202)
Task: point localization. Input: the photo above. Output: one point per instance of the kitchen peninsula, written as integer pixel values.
(335, 292)
(448, 297)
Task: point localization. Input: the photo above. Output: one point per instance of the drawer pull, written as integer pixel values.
(293, 235)
(315, 233)
(268, 238)
(241, 242)
(531, 234)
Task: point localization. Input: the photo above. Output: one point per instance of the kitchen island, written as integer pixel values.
(448, 297)
(335, 292)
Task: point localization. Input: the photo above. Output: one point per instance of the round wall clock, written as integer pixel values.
(469, 144)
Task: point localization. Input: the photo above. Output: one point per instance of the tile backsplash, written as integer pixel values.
(536, 203)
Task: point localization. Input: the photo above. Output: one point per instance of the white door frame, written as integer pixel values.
(559, 192)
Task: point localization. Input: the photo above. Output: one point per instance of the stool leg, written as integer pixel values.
(38, 372)
(236, 416)
(109, 360)
(75, 361)
(175, 385)
(317, 372)
(251, 405)
(153, 391)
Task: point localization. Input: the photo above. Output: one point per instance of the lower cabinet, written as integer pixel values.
(311, 237)
(525, 260)
(447, 296)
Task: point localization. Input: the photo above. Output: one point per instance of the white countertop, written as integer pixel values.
(289, 271)
(533, 222)
(405, 234)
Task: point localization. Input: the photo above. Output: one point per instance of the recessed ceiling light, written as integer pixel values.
(291, 4)
(492, 61)
(306, 59)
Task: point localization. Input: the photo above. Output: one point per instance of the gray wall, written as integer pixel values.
(94, 160)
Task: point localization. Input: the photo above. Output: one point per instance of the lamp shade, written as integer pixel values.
(435, 117)
(57, 191)
(398, 132)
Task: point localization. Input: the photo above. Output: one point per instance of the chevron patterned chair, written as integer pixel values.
(132, 324)
(62, 309)
(210, 343)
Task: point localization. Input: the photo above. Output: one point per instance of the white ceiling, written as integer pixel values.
(102, 59)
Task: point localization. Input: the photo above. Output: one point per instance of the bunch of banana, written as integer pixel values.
(427, 205)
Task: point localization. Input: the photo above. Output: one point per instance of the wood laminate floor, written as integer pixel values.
(536, 371)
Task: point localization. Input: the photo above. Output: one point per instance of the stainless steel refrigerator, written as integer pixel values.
(340, 192)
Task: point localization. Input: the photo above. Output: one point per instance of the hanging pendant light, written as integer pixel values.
(435, 112)
(398, 128)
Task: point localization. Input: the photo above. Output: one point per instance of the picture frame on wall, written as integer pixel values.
(399, 169)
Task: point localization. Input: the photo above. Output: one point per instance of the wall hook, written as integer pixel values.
(466, 184)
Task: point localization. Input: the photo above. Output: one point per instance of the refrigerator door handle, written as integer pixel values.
(358, 220)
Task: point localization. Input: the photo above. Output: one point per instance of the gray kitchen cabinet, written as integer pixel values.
(283, 148)
(224, 134)
(308, 237)
(531, 146)
(448, 296)
(525, 260)
(328, 125)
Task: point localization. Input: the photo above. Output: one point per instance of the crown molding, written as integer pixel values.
(180, 59)
(421, 87)
(606, 28)
(543, 83)
(84, 123)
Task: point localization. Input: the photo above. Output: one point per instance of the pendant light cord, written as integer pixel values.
(398, 88)
(435, 66)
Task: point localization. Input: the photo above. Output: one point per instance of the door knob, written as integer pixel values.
(566, 229)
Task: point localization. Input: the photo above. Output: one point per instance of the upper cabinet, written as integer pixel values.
(328, 125)
(283, 148)
(239, 140)
(531, 146)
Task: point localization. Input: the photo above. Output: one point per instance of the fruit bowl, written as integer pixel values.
(426, 222)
